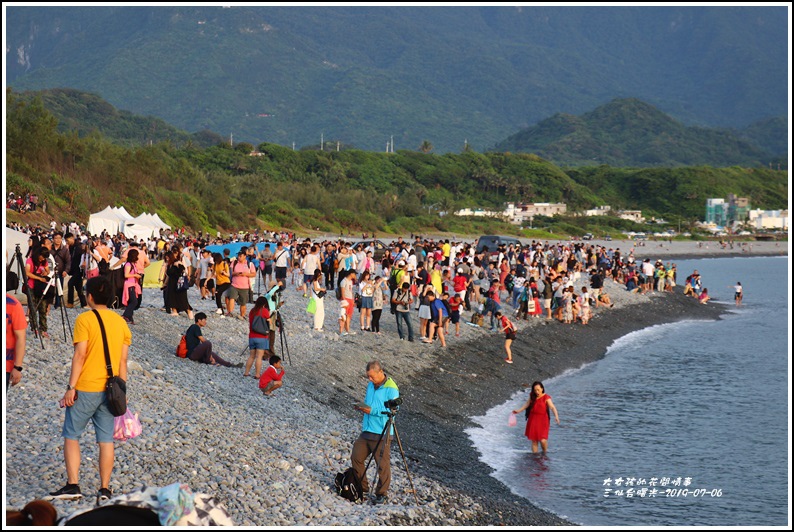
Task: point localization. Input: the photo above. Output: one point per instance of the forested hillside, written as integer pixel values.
(223, 187)
(629, 132)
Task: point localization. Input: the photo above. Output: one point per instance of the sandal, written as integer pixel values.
(246, 374)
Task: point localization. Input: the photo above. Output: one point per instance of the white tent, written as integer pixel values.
(163, 225)
(12, 238)
(122, 213)
(105, 220)
(143, 226)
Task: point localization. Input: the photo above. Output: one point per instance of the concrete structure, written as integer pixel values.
(602, 210)
(725, 212)
(519, 213)
(634, 216)
(760, 219)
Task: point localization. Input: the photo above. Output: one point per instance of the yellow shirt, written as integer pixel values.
(222, 273)
(86, 328)
(435, 280)
(446, 249)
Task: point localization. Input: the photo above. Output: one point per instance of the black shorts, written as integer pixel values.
(281, 273)
(510, 335)
(268, 270)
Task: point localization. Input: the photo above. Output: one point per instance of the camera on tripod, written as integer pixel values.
(393, 403)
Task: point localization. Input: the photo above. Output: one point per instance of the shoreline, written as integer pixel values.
(271, 461)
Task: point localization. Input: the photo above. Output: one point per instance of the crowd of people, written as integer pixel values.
(23, 203)
(427, 285)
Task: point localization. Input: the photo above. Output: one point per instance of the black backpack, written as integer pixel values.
(348, 486)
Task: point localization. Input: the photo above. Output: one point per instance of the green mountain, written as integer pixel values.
(769, 133)
(223, 187)
(362, 75)
(85, 113)
(629, 132)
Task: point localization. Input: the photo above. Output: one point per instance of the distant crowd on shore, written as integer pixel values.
(426, 284)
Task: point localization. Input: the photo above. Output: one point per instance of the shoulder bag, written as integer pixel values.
(116, 388)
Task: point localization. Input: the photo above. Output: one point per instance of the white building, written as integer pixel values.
(634, 216)
(603, 210)
(760, 219)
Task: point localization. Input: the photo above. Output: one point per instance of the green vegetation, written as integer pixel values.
(225, 188)
(629, 132)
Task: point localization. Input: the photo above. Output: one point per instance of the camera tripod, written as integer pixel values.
(32, 302)
(57, 285)
(391, 413)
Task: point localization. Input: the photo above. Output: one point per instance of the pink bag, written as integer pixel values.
(90, 274)
(511, 421)
(126, 426)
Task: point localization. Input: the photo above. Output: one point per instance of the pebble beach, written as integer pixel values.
(271, 460)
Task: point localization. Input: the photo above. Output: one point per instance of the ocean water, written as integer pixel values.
(696, 410)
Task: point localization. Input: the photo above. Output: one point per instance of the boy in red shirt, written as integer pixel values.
(270, 380)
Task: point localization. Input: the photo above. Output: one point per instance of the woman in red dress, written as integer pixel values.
(538, 417)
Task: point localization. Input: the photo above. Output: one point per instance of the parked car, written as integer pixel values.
(608, 238)
(587, 236)
(379, 248)
(492, 242)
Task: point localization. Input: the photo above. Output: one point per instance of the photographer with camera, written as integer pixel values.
(382, 395)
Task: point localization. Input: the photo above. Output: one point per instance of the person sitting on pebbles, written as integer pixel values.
(271, 379)
(199, 349)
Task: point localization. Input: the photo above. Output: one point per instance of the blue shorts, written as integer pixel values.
(307, 278)
(366, 302)
(259, 343)
(93, 406)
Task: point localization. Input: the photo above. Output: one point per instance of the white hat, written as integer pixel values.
(401, 263)
(460, 270)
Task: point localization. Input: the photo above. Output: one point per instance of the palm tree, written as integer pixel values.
(426, 146)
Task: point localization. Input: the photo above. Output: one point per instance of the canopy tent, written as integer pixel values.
(163, 225)
(151, 274)
(122, 213)
(143, 226)
(12, 238)
(105, 220)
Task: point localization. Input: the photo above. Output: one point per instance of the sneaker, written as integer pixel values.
(219, 311)
(380, 499)
(103, 495)
(508, 361)
(69, 492)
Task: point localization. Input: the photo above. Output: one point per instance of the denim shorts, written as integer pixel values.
(93, 406)
(259, 343)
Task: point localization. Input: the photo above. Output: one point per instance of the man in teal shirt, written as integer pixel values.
(379, 390)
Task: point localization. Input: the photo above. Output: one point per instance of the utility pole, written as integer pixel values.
(322, 143)
(293, 145)
(337, 145)
(392, 143)
(231, 139)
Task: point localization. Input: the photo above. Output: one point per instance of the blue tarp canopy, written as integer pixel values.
(234, 247)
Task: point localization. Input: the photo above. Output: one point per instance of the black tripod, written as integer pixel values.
(57, 285)
(282, 338)
(391, 413)
(32, 302)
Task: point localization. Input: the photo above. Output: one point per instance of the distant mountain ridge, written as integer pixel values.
(628, 132)
(362, 75)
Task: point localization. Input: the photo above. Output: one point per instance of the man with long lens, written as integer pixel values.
(380, 390)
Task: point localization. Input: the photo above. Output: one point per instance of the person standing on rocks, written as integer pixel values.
(16, 330)
(379, 390)
(89, 376)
